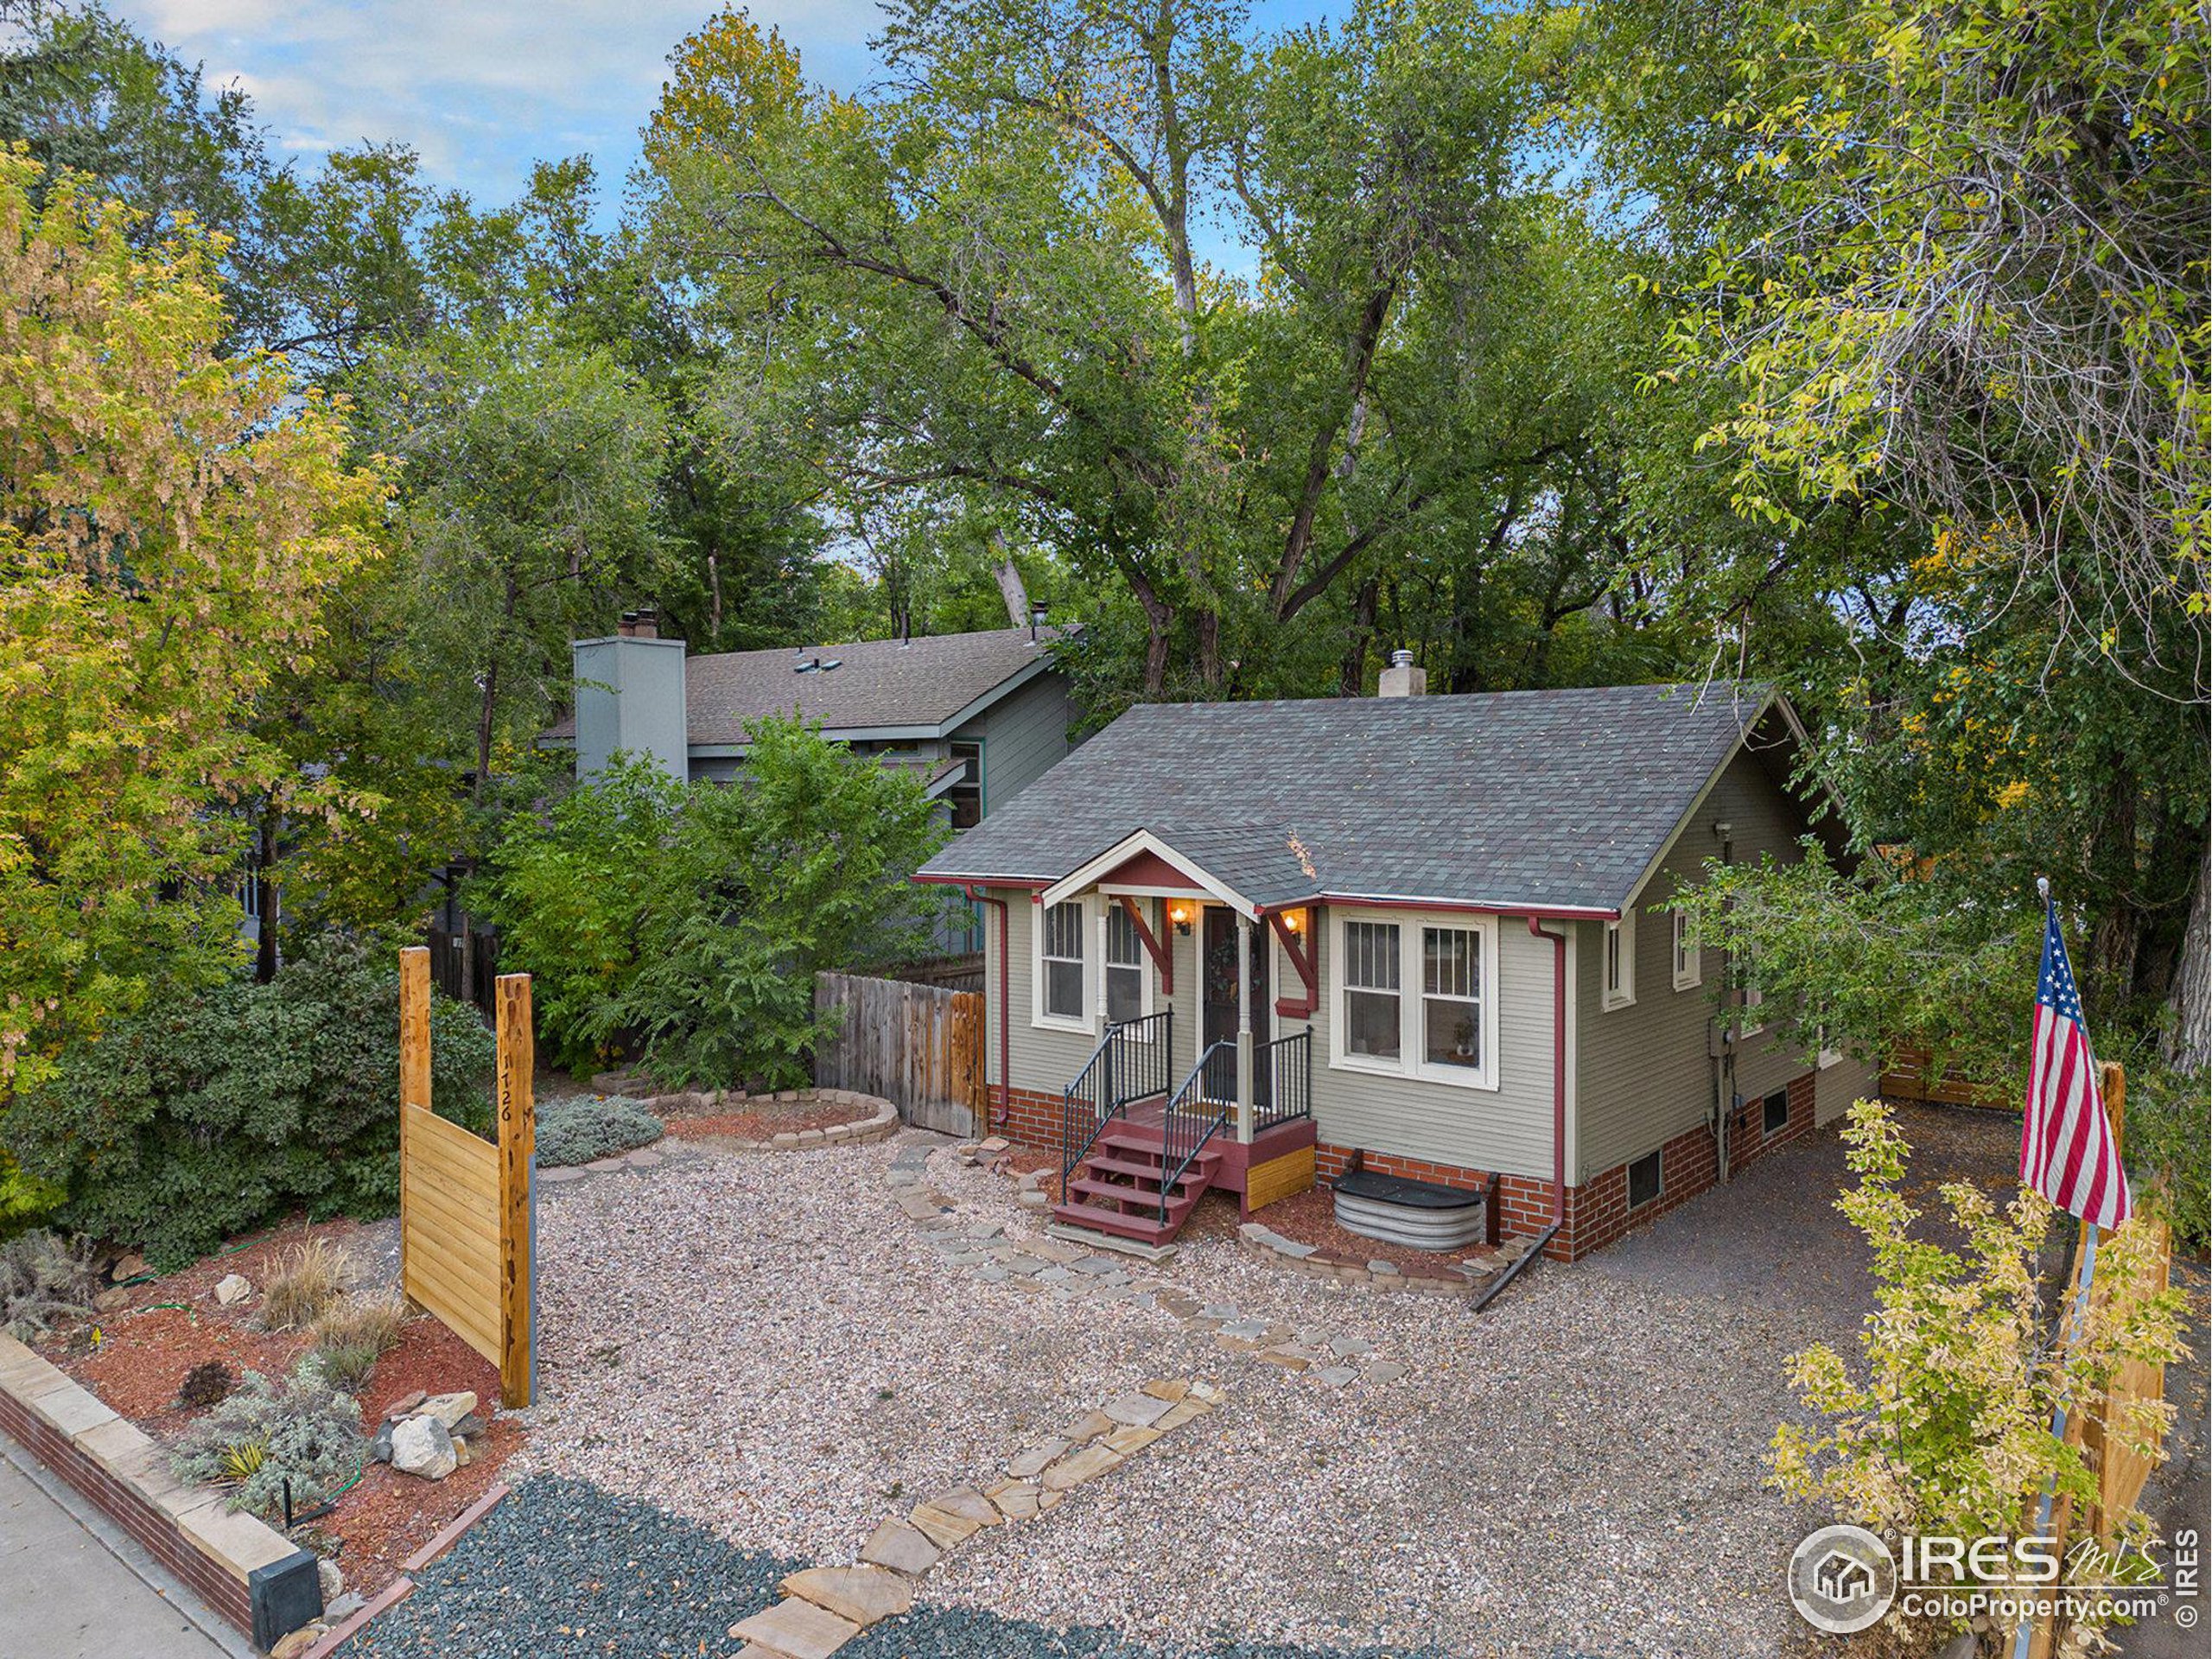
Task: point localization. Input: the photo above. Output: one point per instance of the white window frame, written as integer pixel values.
(1412, 1026)
(1086, 1021)
(1611, 996)
(1689, 954)
(1109, 908)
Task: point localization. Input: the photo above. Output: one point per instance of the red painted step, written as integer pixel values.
(1118, 1190)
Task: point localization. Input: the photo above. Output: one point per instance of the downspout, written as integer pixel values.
(1559, 1116)
(1006, 1076)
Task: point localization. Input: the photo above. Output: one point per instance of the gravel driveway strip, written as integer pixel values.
(768, 1345)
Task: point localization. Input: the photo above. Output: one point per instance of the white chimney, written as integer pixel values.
(1402, 678)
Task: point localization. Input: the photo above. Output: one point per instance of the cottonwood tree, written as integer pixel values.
(991, 276)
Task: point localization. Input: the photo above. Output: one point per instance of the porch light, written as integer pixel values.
(1180, 913)
(1292, 920)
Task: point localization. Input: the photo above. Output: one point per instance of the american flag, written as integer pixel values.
(2066, 1145)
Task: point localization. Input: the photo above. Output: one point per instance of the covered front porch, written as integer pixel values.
(1201, 1077)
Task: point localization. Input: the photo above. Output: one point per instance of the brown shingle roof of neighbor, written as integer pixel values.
(877, 682)
(1549, 799)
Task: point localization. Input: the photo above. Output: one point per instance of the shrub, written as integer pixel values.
(303, 1289)
(579, 1129)
(43, 1274)
(193, 1121)
(696, 917)
(304, 1428)
(2165, 1137)
(351, 1336)
(205, 1384)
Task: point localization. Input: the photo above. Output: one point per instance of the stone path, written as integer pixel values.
(825, 1607)
(1066, 1272)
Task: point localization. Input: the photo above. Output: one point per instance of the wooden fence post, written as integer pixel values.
(518, 1140)
(414, 1066)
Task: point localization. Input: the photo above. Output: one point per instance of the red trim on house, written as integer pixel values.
(1146, 868)
(1540, 912)
(1301, 958)
(1162, 958)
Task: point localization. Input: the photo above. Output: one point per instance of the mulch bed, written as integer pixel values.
(1310, 1218)
(173, 1323)
(761, 1119)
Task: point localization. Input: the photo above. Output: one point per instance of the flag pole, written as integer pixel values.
(2084, 1277)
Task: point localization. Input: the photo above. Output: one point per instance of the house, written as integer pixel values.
(978, 717)
(1251, 945)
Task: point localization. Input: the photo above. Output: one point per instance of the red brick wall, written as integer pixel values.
(1597, 1210)
(128, 1508)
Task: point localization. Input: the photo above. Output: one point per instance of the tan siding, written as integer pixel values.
(1644, 1075)
(1836, 1086)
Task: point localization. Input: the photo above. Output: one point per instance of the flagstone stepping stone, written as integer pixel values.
(1170, 1388)
(1089, 1426)
(1125, 1440)
(1098, 1264)
(1028, 1465)
(1138, 1410)
(1383, 1371)
(1335, 1376)
(863, 1594)
(796, 1628)
(645, 1158)
(900, 1548)
(1181, 1413)
(1244, 1330)
(1076, 1467)
(1016, 1499)
(1345, 1347)
(555, 1177)
(1285, 1357)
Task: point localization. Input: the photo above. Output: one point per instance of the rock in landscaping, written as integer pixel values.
(900, 1548)
(420, 1446)
(448, 1409)
(338, 1612)
(333, 1581)
(863, 1594)
(380, 1447)
(467, 1429)
(116, 1296)
(132, 1266)
(231, 1288)
(405, 1403)
(797, 1630)
(298, 1642)
(461, 1455)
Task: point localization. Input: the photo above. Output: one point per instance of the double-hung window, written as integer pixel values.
(1372, 1013)
(1689, 969)
(1060, 958)
(1125, 966)
(1416, 1000)
(1617, 967)
(1450, 997)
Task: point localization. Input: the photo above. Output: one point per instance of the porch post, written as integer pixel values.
(1245, 1029)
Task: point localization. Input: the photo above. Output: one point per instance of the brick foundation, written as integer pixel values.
(1598, 1212)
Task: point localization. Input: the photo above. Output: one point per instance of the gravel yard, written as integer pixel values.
(768, 1344)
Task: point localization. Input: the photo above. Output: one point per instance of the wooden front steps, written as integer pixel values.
(1116, 1187)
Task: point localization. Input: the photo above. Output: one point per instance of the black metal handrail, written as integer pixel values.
(1129, 1064)
(1288, 1065)
(1195, 1114)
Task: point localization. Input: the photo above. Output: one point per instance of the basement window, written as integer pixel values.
(1642, 1181)
(1777, 1117)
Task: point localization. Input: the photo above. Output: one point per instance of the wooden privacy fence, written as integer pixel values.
(920, 1046)
(465, 1235)
(1911, 1076)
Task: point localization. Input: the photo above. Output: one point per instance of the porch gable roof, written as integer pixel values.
(1559, 801)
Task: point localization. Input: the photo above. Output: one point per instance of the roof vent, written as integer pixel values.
(1036, 620)
(1402, 678)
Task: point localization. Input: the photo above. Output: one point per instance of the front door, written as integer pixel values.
(1217, 989)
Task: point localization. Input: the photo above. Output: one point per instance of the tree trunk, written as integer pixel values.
(1010, 588)
(1351, 679)
(2187, 1045)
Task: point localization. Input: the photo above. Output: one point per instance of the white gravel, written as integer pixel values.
(764, 1342)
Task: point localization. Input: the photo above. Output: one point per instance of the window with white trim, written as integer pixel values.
(1060, 955)
(1689, 968)
(1413, 999)
(1372, 999)
(1450, 997)
(1126, 983)
(1617, 965)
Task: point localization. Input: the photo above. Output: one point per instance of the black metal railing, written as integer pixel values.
(1128, 1065)
(1283, 1074)
(1195, 1114)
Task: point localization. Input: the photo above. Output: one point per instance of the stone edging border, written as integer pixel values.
(879, 1122)
(1456, 1278)
(403, 1586)
(251, 1574)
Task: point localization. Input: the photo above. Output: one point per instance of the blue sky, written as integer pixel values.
(481, 90)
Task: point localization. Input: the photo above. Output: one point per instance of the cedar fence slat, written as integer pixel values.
(918, 1046)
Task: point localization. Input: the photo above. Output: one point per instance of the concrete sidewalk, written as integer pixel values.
(74, 1586)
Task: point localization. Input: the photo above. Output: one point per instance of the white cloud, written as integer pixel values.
(479, 90)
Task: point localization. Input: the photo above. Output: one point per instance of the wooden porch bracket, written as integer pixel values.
(1301, 958)
(1162, 958)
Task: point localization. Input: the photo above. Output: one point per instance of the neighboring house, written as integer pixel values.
(977, 716)
(1420, 936)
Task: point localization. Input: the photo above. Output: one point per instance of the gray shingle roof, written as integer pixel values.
(876, 684)
(1545, 798)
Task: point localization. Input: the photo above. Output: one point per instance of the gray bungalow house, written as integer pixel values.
(979, 716)
(1254, 946)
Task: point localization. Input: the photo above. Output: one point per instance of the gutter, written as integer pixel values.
(1006, 1074)
(1559, 1116)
